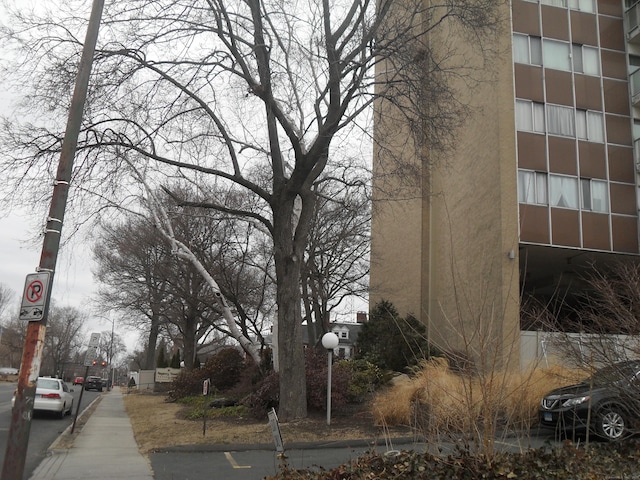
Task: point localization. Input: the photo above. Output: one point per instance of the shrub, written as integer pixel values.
(225, 368)
(393, 342)
(617, 460)
(366, 378)
(265, 397)
(187, 383)
(316, 373)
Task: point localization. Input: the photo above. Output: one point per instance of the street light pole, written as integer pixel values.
(329, 341)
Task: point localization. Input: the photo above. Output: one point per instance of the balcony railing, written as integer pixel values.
(632, 22)
(634, 83)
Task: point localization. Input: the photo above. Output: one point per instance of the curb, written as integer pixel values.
(238, 447)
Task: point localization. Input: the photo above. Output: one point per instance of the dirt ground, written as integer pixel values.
(157, 424)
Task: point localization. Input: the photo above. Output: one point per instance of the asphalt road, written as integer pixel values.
(44, 428)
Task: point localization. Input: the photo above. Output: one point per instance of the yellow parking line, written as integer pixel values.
(232, 461)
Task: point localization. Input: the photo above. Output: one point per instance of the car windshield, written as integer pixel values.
(615, 373)
(47, 383)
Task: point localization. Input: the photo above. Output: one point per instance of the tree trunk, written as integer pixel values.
(150, 357)
(293, 391)
(191, 325)
(293, 397)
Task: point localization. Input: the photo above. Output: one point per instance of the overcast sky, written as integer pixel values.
(73, 281)
(20, 255)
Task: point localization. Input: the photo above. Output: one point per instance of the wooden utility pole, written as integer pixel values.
(38, 290)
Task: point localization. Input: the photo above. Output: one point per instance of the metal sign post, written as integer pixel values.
(206, 387)
(89, 357)
(20, 427)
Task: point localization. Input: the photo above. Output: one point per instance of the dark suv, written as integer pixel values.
(93, 383)
(608, 402)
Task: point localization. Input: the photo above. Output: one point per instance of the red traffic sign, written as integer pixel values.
(36, 287)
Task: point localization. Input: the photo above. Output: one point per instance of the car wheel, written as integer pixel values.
(62, 412)
(610, 423)
(70, 409)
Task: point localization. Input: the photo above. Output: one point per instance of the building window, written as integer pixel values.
(556, 55)
(594, 195)
(532, 187)
(555, 3)
(582, 5)
(344, 334)
(527, 49)
(563, 191)
(561, 121)
(590, 126)
(529, 116)
(585, 60)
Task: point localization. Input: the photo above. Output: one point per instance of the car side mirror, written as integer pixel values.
(71, 390)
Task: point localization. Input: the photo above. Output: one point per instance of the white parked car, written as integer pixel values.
(52, 395)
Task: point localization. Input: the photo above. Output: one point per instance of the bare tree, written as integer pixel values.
(6, 297)
(111, 345)
(12, 341)
(261, 98)
(63, 340)
(130, 265)
(336, 265)
(166, 293)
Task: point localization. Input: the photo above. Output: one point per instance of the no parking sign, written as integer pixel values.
(34, 297)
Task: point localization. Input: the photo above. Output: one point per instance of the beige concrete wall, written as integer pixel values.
(396, 246)
(474, 298)
(455, 241)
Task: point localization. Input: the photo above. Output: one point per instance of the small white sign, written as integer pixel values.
(275, 430)
(95, 340)
(91, 355)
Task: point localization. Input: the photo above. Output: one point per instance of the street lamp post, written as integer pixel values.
(329, 341)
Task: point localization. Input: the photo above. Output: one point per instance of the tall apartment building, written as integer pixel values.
(542, 186)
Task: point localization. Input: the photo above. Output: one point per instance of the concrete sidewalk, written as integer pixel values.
(104, 449)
